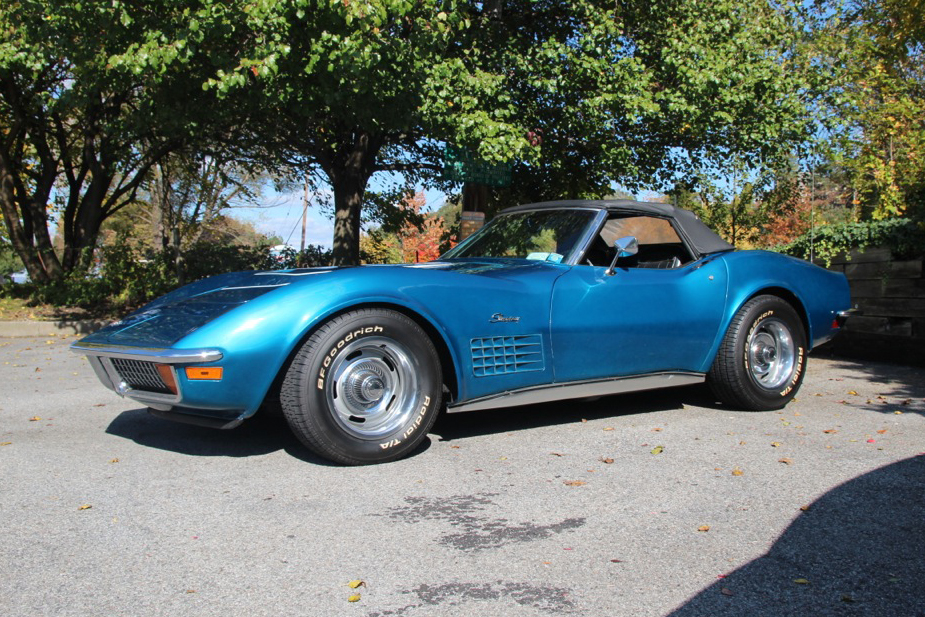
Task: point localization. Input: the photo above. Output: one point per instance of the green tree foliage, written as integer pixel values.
(92, 96)
(872, 102)
(579, 93)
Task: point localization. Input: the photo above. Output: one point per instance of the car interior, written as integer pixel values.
(660, 247)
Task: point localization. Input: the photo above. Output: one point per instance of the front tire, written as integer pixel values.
(364, 388)
(761, 361)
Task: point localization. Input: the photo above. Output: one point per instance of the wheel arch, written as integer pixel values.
(448, 365)
(787, 295)
(790, 298)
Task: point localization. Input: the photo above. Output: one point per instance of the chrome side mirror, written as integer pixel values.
(624, 247)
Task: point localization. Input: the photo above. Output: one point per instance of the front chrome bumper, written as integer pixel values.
(101, 359)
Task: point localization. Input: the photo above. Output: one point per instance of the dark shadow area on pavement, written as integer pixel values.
(860, 550)
(262, 434)
(491, 421)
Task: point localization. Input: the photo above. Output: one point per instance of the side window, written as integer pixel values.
(659, 244)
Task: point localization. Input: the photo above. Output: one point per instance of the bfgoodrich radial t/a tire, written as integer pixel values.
(364, 388)
(762, 358)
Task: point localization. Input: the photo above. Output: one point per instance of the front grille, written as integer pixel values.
(499, 355)
(140, 375)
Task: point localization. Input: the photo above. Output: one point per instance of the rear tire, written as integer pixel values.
(761, 361)
(364, 388)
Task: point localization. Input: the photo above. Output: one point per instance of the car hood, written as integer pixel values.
(171, 317)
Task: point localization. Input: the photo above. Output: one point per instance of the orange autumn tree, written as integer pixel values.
(423, 236)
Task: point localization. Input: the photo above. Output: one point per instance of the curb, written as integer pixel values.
(21, 329)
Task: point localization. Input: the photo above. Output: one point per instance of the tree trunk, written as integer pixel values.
(349, 171)
(348, 199)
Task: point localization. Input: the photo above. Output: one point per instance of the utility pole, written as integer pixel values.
(304, 211)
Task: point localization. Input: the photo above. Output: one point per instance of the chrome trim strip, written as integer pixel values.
(163, 356)
(579, 389)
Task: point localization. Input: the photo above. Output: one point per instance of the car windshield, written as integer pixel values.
(543, 235)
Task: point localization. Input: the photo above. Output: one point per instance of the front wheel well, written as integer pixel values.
(443, 352)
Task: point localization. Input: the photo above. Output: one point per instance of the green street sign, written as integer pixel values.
(462, 166)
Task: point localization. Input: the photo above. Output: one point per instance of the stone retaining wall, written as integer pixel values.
(891, 297)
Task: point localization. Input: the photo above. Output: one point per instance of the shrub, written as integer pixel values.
(904, 237)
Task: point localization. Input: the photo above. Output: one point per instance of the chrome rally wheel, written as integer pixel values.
(374, 387)
(771, 353)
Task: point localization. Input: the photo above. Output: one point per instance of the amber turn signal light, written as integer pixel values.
(167, 376)
(204, 372)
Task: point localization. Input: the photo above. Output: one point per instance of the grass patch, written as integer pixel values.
(23, 309)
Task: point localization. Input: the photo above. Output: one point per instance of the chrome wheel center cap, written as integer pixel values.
(365, 385)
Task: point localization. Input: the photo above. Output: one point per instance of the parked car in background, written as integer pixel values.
(549, 301)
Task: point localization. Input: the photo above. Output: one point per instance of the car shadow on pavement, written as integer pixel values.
(503, 420)
(262, 434)
(857, 550)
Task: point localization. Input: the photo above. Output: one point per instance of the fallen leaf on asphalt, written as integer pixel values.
(658, 449)
(804, 508)
(830, 431)
(703, 528)
(355, 584)
(454, 447)
(608, 428)
(574, 483)
(115, 460)
(852, 392)
(616, 561)
(871, 441)
(775, 444)
(737, 472)
(801, 581)
(6, 443)
(726, 591)
(190, 591)
(354, 598)
(38, 370)
(86, 506)
(556, 454)
(881, 431)
(606, 460)
(742, 443)
(656, 430)
(34, 419)
(898, 413)
(785, 461)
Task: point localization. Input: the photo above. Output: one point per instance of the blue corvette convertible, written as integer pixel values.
(549, 301)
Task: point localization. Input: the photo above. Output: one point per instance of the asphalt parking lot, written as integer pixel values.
(653, 504)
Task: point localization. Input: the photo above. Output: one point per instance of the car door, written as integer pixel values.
(657, 311)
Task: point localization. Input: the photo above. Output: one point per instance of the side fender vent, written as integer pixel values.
(500, 355)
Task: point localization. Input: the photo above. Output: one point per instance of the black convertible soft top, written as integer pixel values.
(701, 238)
